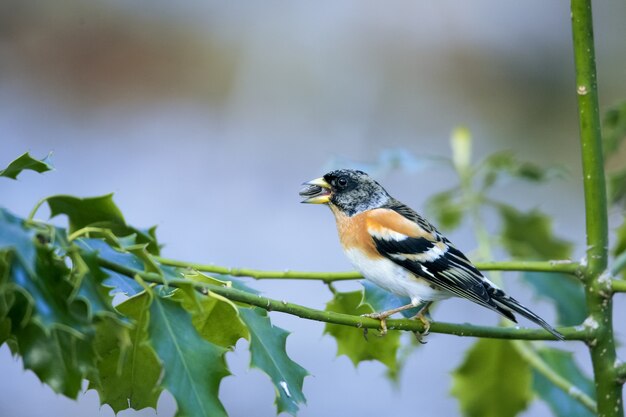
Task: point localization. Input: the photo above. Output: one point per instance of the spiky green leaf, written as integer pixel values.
(565, 290)
(351, 341)
(117, 282)
(128, 367)
(529, 236)
(192, 366)
(16, 237)
(99, 212)
(506, 164)
(381, 300)
(268, 353)
(215, 318)
(26, 162)
(60, 359)
(83, 212)
(493, 380)
(446, 209)
(561, 403)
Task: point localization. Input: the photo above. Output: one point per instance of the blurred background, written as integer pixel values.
(204, 117)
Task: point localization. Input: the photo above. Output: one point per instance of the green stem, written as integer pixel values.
(618, 286)
(526, 351)
(32, 213)
(570, 333)
(597, 287)
(549, 266)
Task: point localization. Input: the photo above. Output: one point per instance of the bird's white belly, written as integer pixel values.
(394, 278)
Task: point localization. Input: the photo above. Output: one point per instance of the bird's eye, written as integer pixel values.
(342, 182)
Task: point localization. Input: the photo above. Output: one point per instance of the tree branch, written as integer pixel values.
(597, 288)
(570, 333)
(618, 285)
(563, 266)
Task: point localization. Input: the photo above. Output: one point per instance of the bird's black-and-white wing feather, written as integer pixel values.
(427, 253)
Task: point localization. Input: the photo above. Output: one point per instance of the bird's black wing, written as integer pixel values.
(434, 258)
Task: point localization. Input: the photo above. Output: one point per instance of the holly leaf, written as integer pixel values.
(48, 291)
(83, 212)
(268, 353)
(562, 404)
(493, 380)
(529, 235)
(14, 236)
(117, 282)
(128, 368)
(59, 358)
(26, 162)
(381, 300)
(506, 163)
(351, 341)
(100, 212)
(446, 208)
(566, 291)
(192, 366)
(90, 279)
(215, 318)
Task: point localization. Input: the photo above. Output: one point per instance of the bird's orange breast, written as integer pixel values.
(353, 233)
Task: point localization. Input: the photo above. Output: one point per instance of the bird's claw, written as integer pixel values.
(421, 335)
(383, 322)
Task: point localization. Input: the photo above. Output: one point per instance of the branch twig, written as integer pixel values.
(570, 333)
(568, 267)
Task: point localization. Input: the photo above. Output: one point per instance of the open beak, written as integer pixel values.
(316, 191)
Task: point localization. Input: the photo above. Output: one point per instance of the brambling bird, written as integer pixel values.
(400, 251)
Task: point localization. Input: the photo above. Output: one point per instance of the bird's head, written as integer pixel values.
(348, 190)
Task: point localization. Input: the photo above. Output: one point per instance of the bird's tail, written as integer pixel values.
(505, 304)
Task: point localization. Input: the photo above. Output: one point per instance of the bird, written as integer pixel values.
(394, 247)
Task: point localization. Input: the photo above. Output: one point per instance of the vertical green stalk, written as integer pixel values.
(597, 288)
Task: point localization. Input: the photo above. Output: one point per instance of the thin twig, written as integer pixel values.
(570, 333)
(545, 266)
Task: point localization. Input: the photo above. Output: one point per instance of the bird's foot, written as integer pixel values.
(426, 322)
(383, 320)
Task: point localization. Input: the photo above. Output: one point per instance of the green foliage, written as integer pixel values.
(446, 209)
(565, 291)
(26, 162)
(215, 318)
(181, 350)
(562, 405)
(614, 128)
(351, 341)
(380, 300)
(613, 135)
(57, 313)
(530, 236)
(493, 381)
(100, 213)
(268, 353)
(128, 368)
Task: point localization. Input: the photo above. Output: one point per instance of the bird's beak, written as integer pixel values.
(316, 191)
